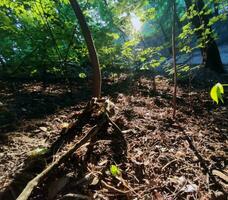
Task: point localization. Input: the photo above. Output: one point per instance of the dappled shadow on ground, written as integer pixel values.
(21, 101)
(188, 93)
(27, 101)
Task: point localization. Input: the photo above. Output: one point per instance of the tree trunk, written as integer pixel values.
(174, 61)
(210, 52)
(2, 61)
(216, 10)
(91, 48)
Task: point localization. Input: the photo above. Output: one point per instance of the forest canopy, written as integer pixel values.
(42, 37)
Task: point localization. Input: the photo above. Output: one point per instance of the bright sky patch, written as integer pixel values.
(136, 23)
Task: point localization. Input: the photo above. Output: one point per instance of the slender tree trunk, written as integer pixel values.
(216, 11)
(174, 61)
(91, 48)
(2, 61)
(210, 52)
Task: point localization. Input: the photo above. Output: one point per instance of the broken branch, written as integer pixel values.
(35, 181)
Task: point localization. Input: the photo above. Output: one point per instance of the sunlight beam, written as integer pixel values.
(136, 23)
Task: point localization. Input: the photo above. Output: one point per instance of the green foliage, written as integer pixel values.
(82, 75)
(42, 37)
(115, 171)
(204, 31)
(38, 152)
(216, 93)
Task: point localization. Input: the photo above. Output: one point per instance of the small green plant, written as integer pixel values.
(217, 91)
(115, 171)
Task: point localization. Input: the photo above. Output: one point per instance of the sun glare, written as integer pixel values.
(136, 23)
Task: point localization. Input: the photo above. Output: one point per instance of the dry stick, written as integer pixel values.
(113, 188)
(75, 196)
(34, 182)
(114, 124)
(127, 186)
(70, 132)
(169, 163)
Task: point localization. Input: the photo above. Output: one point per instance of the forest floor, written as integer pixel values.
(159, 157)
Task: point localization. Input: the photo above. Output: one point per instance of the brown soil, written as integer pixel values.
(159, 157)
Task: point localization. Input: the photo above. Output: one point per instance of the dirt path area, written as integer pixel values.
(159, 157)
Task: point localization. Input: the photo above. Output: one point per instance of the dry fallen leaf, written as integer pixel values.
(178, 180)
(180, 154)
(64, 125)
(94, 181)
(42, 128)
(190, 188)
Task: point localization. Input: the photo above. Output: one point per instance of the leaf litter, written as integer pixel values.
(155, 158)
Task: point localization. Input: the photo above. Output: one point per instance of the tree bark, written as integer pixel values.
(91, 48)
(174, 61)
(216, 10)
(210, 52)
(2, 61)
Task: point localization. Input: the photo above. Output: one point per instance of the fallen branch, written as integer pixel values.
(67, 133)
(75, 196)
(221, 175)
(113, 188)
(114, 124)
(40, 177)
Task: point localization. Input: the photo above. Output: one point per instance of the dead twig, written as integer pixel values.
(69, 132)
(114, 124)
(75, 196)
(113, 188)
(169, 163)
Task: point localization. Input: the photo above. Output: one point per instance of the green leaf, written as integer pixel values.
(82, 75)
(38, 152)
(115, 171)
(216, 93)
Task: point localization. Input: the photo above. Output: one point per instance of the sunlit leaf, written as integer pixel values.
(115, 171)
(38, 152)
(82, 75)
(216, 93)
